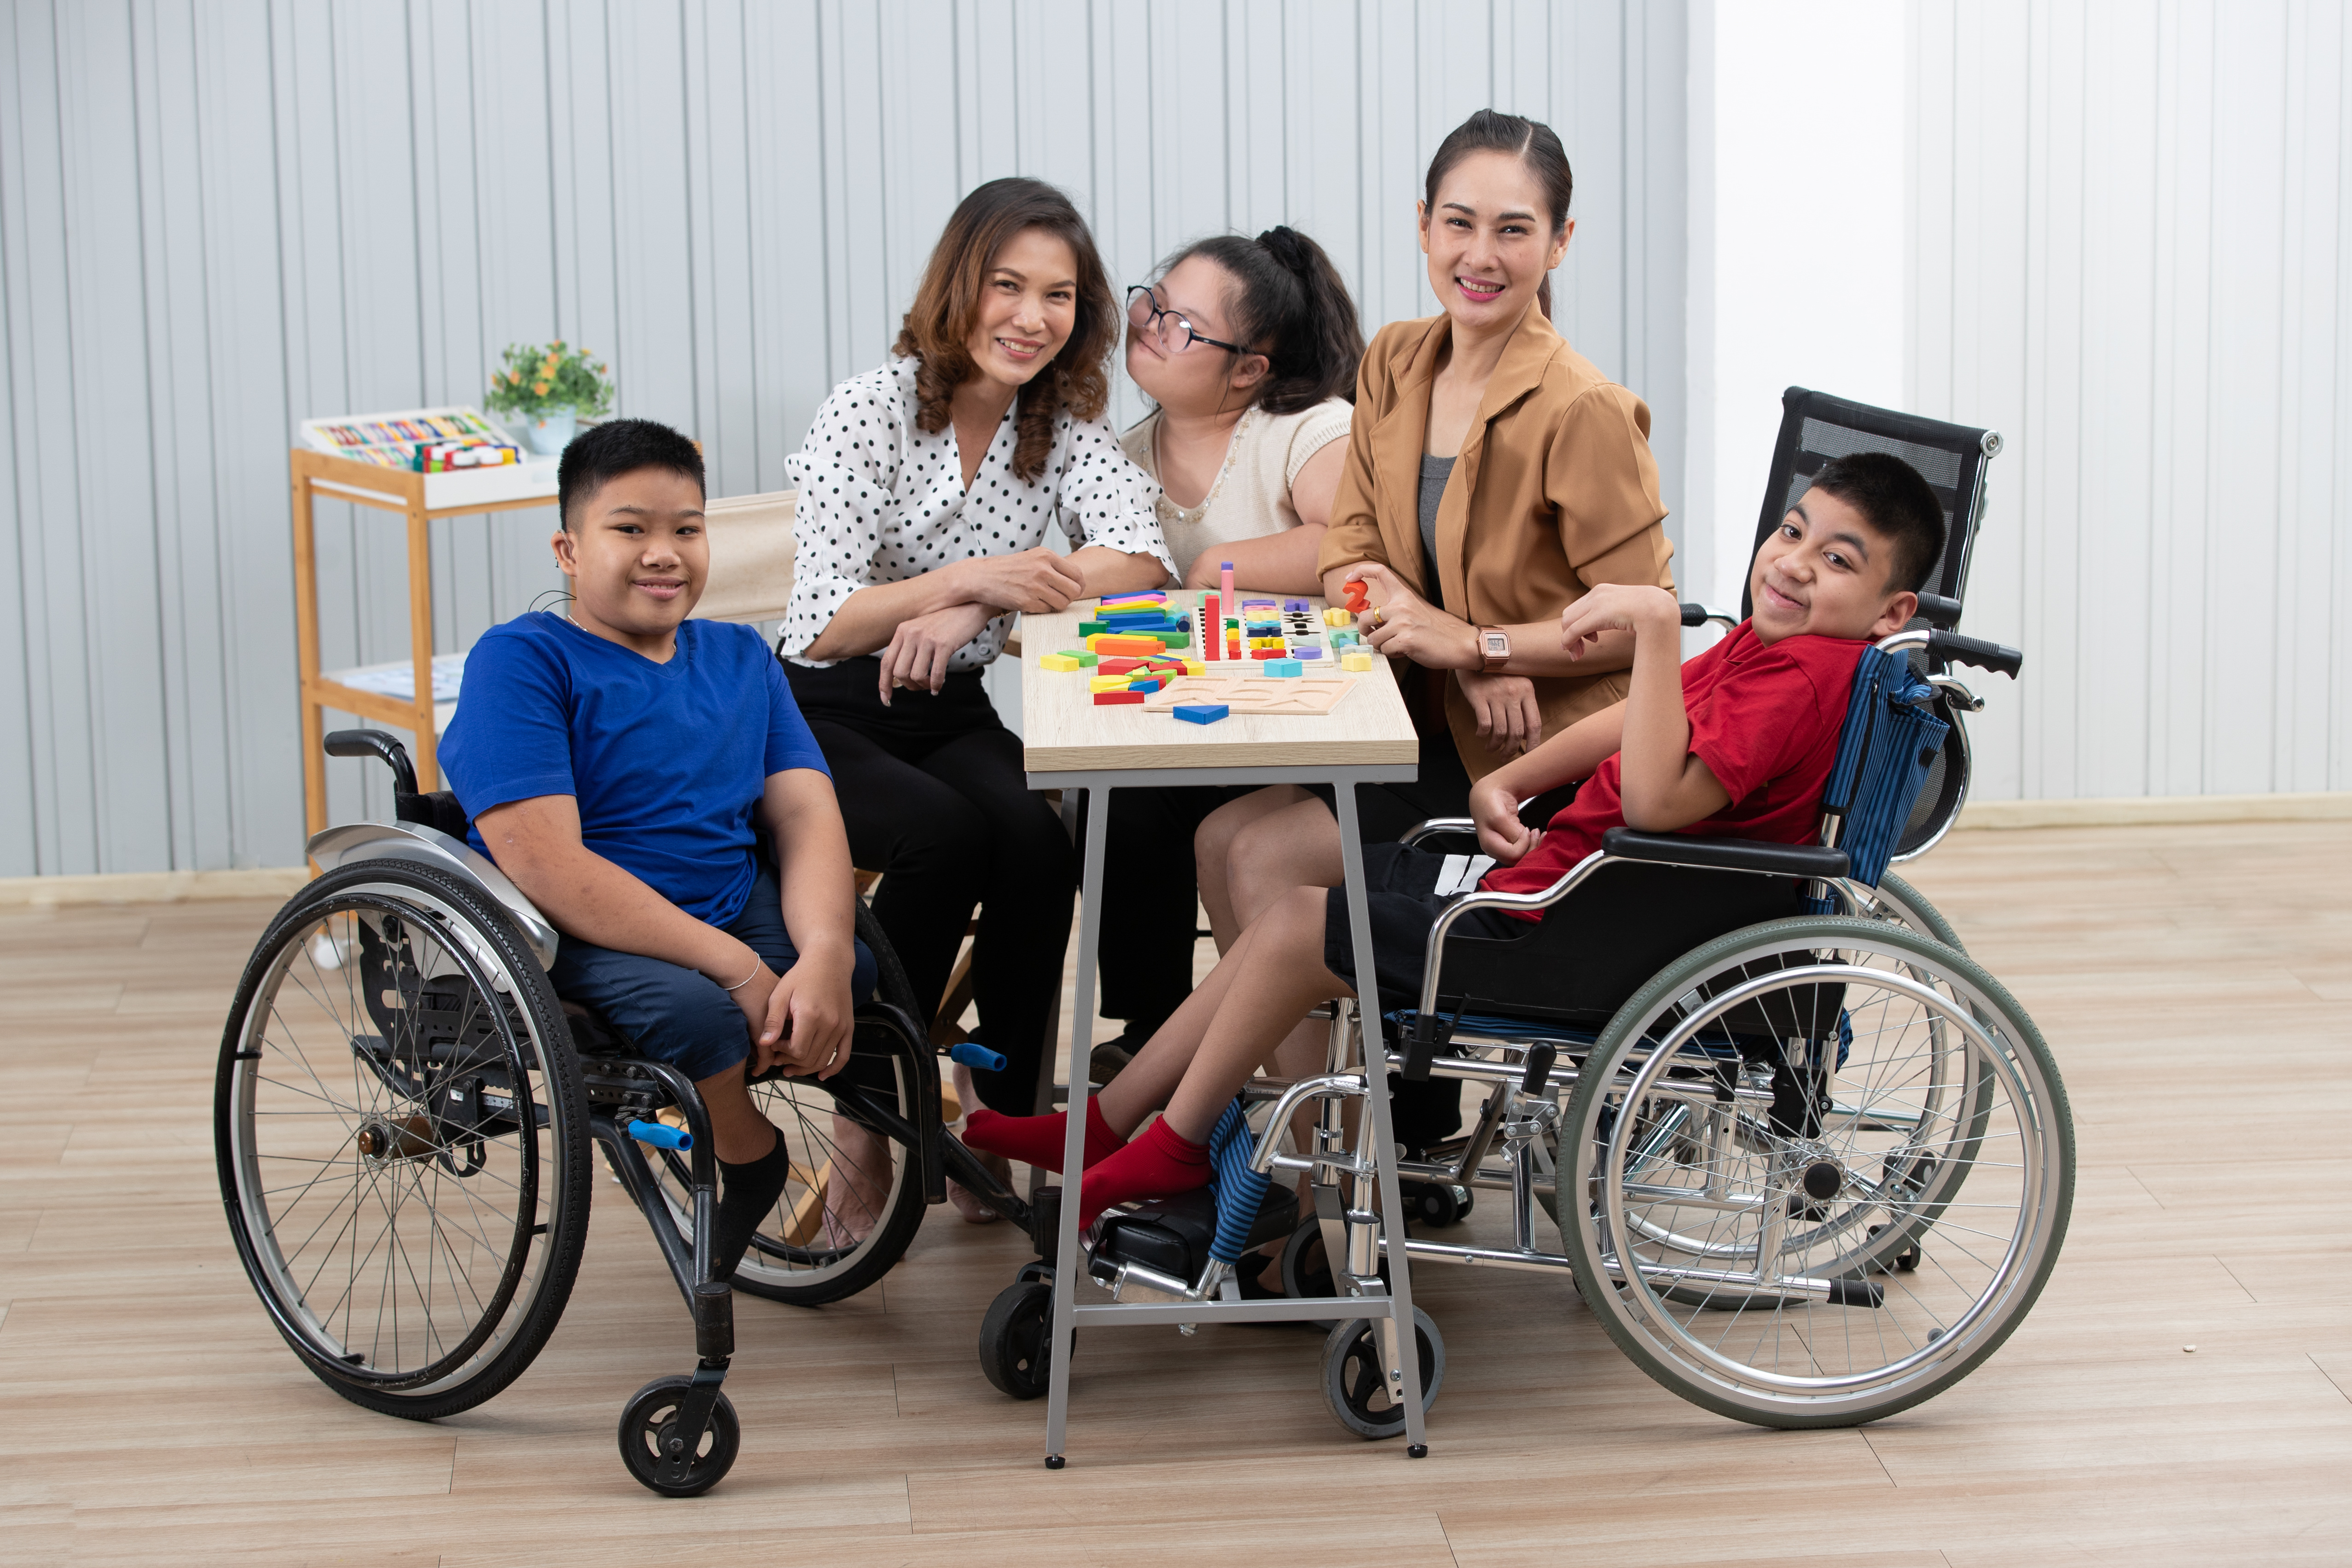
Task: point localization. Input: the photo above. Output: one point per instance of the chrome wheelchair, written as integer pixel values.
(403, 1116)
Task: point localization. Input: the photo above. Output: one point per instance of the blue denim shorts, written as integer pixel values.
(678, 1015)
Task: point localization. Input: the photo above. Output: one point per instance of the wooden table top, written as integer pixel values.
(1066, 731)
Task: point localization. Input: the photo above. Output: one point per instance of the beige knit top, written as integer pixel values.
(1250, 495)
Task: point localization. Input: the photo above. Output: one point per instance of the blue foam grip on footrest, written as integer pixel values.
(661, 1137)
(973, 1056)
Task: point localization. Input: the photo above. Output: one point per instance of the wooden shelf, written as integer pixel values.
(421, 500)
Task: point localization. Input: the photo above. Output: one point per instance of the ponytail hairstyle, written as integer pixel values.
(1533, 143)
(1288, 300)
(938, 327)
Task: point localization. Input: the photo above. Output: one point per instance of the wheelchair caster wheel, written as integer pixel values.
(1015, 1340)
(649, 1435)
(1438, 1204)
(1354, 1384)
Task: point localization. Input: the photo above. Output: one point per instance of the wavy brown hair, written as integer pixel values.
(937, 329)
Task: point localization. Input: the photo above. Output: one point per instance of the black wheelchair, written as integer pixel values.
(403, 1117)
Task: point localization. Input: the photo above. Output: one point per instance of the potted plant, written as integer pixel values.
(551, 389)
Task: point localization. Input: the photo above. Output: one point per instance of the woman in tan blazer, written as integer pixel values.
(1494, 476)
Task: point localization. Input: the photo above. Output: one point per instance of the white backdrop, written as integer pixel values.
(219, 217)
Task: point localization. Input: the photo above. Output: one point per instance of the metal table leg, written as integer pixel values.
(1074, 1148)
(1404, 1342)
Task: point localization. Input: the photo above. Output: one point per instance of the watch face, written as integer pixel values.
(1497, 643)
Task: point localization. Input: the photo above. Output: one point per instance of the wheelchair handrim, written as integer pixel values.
(1638, 1306)
(526, 1252)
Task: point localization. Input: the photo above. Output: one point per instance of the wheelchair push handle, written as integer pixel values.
(1984, 654)
(1938, 611)
(661, 1135)
(375, 744)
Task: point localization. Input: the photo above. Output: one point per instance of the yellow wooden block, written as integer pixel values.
(1269, 642)
(1108, 683)
(1336, 616)
(1195, 667)
(1057, 661)
(1356, 658)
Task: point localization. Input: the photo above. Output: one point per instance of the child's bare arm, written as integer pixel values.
(1664, 786)
(1568, 756)
(819, 896)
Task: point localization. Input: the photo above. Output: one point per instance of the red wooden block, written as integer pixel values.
(1107, 698)
(1117, 666)
(1269, 653)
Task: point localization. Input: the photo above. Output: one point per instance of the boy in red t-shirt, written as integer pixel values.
(1736, 743)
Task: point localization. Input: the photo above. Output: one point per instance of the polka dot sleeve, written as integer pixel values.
(847, 472)
(1105, 498)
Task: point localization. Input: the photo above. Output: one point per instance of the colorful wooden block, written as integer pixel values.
(1282, 667)
(1145, 685)
(1091, 628)
(1336, 616)
(1057, 661)
(1199, 712)
(1356, 658)
(1086, 661)
(1111, 643)
(1307, 653)
(1195, 667)
(1108, 683)
(1109, 698)
(1269, 653)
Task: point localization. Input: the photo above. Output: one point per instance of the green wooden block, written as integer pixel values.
(1085, 660)
(1091, 628)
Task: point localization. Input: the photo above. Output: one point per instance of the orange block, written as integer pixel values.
(1112, 643)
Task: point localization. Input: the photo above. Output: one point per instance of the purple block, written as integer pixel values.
(1307, 653)
(1294, 604)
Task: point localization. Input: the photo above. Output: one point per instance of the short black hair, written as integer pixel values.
(620, 447)
(1897, 504)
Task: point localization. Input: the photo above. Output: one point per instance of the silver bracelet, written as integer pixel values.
(757, 964)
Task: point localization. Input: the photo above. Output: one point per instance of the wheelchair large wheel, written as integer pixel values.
(854, 1200)
(1826, 1167)
(403, 1139)
(1899, 902)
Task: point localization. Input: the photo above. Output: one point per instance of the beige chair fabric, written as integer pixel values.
(751, 557)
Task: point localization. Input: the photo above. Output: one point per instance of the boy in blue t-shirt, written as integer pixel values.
(616, 763)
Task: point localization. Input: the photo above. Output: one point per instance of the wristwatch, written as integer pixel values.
(1494, 648)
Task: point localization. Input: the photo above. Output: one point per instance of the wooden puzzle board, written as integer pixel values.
(1252, 693)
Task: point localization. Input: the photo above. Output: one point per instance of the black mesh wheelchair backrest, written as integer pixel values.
(1816, 427)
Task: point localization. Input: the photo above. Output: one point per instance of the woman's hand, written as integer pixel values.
(1401, 623)
(805, 1026)
(1034, 581)
(1508, 719)
(1500, 832)
(1616, 607)
(918, 651)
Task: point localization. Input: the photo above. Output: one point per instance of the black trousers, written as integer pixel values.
(934, 796)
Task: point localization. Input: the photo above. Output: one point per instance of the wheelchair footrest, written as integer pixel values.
(1171, 1235)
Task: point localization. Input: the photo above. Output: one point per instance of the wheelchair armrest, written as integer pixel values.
(1439, 827)
(1726, 854)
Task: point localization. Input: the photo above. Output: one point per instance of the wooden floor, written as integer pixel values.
(2195, 983)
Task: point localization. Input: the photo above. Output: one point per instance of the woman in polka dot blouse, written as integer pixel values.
(926, 489)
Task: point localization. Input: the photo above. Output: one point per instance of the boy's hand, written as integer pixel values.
(1617, 607)
(805, 1025)
(1034, 581)
(919, 649)
(1402, 624)
(1508, 719)
(1500, 832)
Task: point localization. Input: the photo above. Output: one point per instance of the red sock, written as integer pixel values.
(1039, 1140)
(1159, 1165)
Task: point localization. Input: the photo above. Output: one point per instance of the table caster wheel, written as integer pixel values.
(1054, 1461)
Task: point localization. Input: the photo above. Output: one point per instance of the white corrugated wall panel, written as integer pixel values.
(219, 217)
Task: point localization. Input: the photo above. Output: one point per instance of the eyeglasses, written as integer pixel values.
(1145, 313)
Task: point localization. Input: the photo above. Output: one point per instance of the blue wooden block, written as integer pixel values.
(1279, 667)
(1199, 712)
